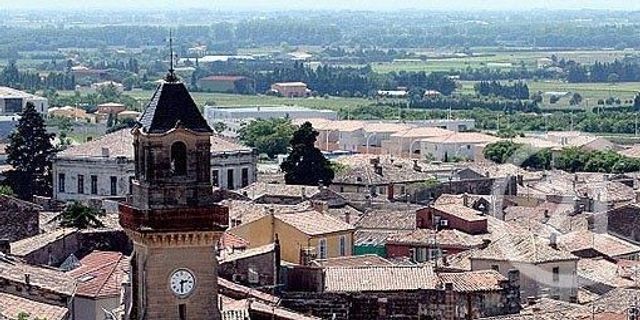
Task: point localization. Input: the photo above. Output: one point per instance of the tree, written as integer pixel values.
(270, 136)
(30, 153)
(79, 216)
(306, 165)
(576, 99)
(220, 127)
(500, 151)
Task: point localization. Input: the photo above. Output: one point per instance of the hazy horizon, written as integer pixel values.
(325, 4)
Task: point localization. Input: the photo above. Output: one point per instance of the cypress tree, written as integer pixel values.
(306, 165)
(30, 152)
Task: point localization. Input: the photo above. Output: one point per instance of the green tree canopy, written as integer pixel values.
(30, 153)
(270, 136)
(79, 216)
(306, 165)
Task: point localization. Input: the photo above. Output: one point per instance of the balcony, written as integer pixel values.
(213, 218)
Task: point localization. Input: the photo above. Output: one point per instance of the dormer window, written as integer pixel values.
(179, 159)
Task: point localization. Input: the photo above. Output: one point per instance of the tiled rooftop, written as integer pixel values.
(353, 261)
(120, 144)
(11, 306)
(425, 237)
(259, 189)
(473, 281)
(460, 211)
(600, 271)
(526, 248)
(100, 274)
(604, 243)
(49, 279)
(312, 222)
(398, 218)
(377, 278)
(25, 246)
(243, 254)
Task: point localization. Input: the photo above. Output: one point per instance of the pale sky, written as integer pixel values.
(325, 4)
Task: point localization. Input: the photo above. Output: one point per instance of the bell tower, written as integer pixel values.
(170, 215)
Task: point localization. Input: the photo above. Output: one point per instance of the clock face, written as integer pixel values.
(182, 282)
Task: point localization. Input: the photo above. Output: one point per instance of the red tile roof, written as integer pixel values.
(379, 278)
(100, 274)
(353, 261)
(473, 281)
(11, 306)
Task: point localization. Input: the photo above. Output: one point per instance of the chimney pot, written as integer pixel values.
(5, 246)
(105, 152)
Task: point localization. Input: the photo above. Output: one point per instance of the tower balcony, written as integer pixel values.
(213, 218)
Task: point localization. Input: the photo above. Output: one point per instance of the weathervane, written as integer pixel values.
(171, 76)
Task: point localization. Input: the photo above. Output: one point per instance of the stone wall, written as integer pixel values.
(18, 219)
(79, 243)
(262, 265)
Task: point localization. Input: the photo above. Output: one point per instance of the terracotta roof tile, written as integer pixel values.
(526, 248)
(100, 274)
(461, 212)
(312, 222)
(389, 218)
(425, 237)
(353, 261)
(473, 281)
(11, 306)
(54, 280)
(378, 278)
(606, 244)
(25, 246)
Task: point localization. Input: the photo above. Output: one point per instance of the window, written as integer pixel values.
(94, 184)
(215, 178)
(468, 147)
(13, 105)
(245, 177)
(182, 311)
(230, 184)
(114, 185)
(61, 182)
(322, 248)
(433, 254)
(420, 254)
(343, 245)
(556, 274)
(179, 159)
(80, 184)
(495, 267)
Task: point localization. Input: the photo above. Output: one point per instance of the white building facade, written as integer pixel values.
(104, 168)
(13, 101)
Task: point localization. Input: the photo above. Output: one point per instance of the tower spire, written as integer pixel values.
(171, 76)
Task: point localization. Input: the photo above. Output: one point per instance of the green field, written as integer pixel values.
(590, 92)
(236, 100)
(496, 60)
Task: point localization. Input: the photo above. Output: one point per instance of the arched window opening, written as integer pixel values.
(179, 159)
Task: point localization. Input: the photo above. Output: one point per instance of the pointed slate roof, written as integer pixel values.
(172, 103)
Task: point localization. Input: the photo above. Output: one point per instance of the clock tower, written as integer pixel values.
(170, 215)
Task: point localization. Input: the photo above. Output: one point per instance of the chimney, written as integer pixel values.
(416, 167)
(553, 241)
(465, 199)
(5, 246)
(485, 243)
(105, 152)
(27, 279)
(546, 213)
(347, 217)
(303, 192)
